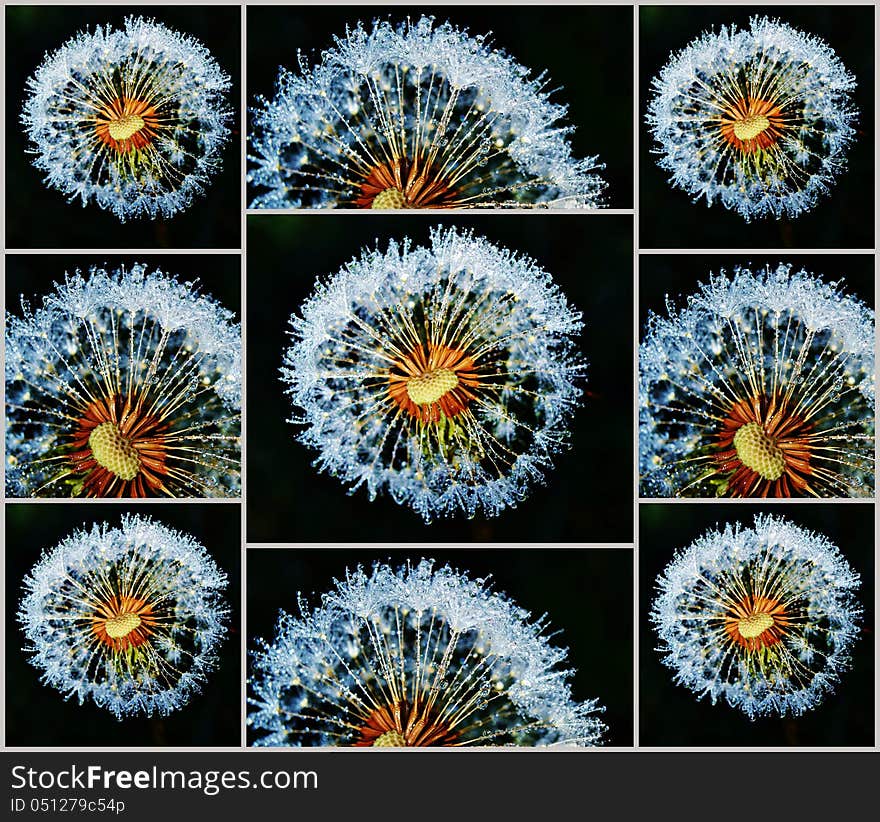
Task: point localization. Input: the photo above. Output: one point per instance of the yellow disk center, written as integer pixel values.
(125, 126)
(115, 453)
(750, 126)
(390, 739)
(754, 625)
(431, 386)
(390, 198)
(121, 625)
(758, 451)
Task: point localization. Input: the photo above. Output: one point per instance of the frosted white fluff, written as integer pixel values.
(778, 560)
(498, 307)
(448, 640)
(173, 74)
(175, 576)
(752, 336)
(797, 75)
(416, 91)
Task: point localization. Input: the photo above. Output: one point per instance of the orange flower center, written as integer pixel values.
(123, 622)
(752, 124)
(756, 622)
(399, 725)
(404, 184)
(120, 449)
(766, 449)
(127, 124)
(433, 380)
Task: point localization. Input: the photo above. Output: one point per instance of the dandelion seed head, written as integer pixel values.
(763, 385)
(413, 657)
(418, 115)
(124, 383)
(132, 119)
(444, 376)
(762, 618)
(130, 618)
(759, 119)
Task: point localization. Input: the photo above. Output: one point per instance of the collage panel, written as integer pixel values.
(448, 107)
(581, 458)
(756, 625)
(451, 379)
(756, 375)
(756, 126)
(385, 646)
(122, 126)
(123, 375)
(123, 625)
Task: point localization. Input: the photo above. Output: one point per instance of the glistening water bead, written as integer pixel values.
(444, 376)
(417, 115)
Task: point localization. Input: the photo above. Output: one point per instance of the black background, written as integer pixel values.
(843, 219)
(41, 217)
(586, 51)
(671, 714)
(587, 595)
(38, 715)
(588, 495)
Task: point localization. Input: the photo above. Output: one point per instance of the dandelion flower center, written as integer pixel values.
(756, 622)
(114, 452)
(127, 124)
(758, 451)
(431, 386)
(390, 198)
(751, 124)
(402, 725)
(750, 127)
(754, 625)
(406, 183)
(392, 739)
(122, 625)
(435, 380)
(122, 622)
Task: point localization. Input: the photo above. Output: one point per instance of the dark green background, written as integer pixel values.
(670, 714)
(586, 51)
(38, 715)
(588, 495)
(41, 217)
(843, 219)
(586, 594)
